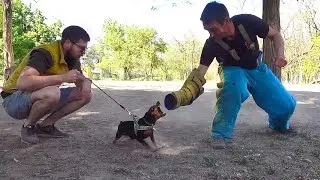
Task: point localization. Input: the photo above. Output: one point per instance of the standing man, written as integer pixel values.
(33, 91)
(233, 42)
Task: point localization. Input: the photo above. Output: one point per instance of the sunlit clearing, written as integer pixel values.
(175, 150)
(86, 113)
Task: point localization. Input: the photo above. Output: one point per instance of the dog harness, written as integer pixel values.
(137, 127)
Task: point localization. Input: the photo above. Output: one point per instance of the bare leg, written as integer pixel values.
(118, 135)
(154, 142)
(144, 143)
(42, 101)
(76, 100)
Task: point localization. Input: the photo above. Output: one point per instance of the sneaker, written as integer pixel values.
(219, 143)
(50, 131)
(28, 134)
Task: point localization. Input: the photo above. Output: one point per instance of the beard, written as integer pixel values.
(70, 60)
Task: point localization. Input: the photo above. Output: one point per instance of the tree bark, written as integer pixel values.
(271, 14)
(7, 39)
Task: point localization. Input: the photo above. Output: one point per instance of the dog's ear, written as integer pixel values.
(158, 103)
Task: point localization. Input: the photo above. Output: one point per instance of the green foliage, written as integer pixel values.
(133, 50)
(302, 49)
(88, 70)
(90, 58)
(28, 30)
(311, 62)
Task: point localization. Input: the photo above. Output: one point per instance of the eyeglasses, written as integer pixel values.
(82, 48)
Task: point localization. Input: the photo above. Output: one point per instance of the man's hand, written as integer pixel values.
(80, 80)
(71, 76)
(280, 61)
(83, 84)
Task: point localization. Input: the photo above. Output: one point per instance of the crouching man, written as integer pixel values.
(33, 89)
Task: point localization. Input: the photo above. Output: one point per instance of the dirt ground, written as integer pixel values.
(183, 135)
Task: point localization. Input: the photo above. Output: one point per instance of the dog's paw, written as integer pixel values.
(156, 148)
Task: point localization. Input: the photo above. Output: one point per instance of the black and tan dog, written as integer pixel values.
(141, 128)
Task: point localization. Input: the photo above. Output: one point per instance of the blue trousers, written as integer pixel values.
(266, 89)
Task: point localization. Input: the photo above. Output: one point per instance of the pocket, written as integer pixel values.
(262, 68)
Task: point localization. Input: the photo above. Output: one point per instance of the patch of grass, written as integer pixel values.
(212, 175)
(281, 137)
(315, 153)
(254, 169)
(210, 161)
(270, 170)
(273, 144)
(242, 161)
(299, 177)
(254, 178)
(306, 135)
(298, 151)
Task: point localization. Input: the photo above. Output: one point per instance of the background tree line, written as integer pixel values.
(131, 52)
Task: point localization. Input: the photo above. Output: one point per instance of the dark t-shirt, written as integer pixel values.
(41, 60)
(254, 26)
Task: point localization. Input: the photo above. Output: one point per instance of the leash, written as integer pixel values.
(137, 127)
(134, 116)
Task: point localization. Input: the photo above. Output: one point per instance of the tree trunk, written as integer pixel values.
(125, 70)
(271, 15)
(300, 73)
(7, 39)
(151, 72)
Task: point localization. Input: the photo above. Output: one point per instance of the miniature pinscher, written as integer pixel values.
(141, 128)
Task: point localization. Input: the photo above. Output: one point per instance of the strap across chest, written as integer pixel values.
(232, 52)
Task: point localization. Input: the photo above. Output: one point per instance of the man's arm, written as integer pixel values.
(83, 83)
(30, 80)
(263, 30)
(207, 56)
(277, 39)
(202, 69)
(39, 62)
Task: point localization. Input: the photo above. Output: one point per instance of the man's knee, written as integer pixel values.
(49, 95)
(290, 106)
(87, 97)
(286, 108)
(234, 92)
